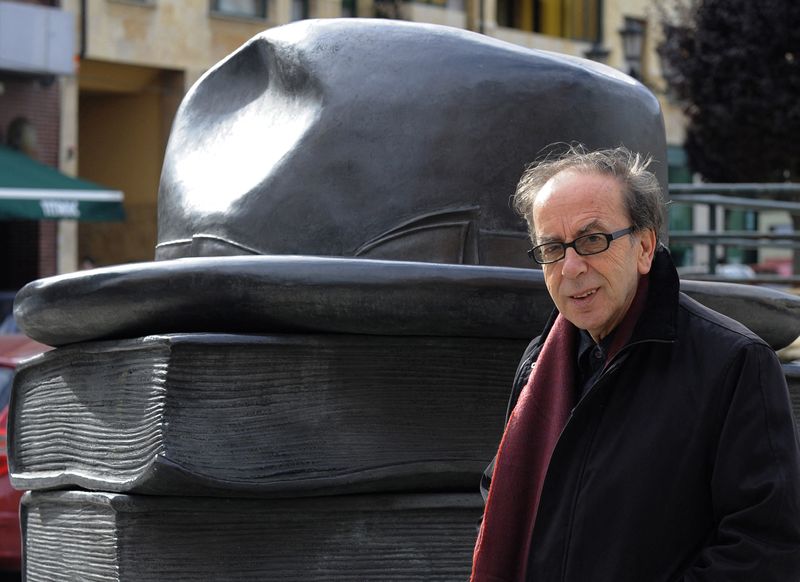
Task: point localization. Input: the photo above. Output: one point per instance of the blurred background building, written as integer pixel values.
(90, 88)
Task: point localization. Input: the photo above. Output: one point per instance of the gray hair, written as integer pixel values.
(642, 193)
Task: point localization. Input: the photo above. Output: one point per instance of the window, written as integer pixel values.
(6, 379)
(450, 4)
(348, 8)
(240, 8)
(573, 19)
(681, 216)
(299, 10)
(740, 220)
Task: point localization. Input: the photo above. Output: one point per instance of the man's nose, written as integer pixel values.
(573, 264)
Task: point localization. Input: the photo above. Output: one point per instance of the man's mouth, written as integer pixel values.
(585, 294)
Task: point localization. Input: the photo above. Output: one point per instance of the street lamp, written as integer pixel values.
(632, 43)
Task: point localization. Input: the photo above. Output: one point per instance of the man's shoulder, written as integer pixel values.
(704, 321)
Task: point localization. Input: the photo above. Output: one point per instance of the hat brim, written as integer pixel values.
(307, 294)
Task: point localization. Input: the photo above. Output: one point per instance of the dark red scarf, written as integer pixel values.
(544, 405)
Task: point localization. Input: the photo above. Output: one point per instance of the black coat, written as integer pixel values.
(681, 463)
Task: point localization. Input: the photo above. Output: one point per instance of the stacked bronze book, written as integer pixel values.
(293, 455)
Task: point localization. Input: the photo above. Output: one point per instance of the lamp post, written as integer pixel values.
(632, 43)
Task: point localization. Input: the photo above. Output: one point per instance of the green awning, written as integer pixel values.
(33, 191)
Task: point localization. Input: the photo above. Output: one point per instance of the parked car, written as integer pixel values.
(13, 349)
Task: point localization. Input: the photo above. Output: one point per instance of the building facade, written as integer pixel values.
(109, 119)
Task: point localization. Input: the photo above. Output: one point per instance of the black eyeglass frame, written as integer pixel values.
(566, 245)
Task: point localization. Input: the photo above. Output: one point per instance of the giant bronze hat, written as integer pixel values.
(381, 139)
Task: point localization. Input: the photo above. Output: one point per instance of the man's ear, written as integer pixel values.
(645, 249)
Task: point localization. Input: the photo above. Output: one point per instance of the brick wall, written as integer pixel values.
(31, 248)
(39, 103)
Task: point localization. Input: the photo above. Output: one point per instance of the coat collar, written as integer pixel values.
(659, 319)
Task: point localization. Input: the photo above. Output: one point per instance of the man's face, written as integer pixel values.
(593, 292)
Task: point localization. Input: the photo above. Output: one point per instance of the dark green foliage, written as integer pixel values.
(735, 66)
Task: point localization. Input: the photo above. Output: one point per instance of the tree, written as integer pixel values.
(735, 67)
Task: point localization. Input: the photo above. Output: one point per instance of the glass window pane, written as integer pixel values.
(299, 9)
(6, 377)
(246, 8)
(348, 8)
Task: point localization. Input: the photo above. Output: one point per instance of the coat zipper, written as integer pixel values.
(613, 365)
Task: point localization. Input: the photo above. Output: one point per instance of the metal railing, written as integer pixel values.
(757, 197)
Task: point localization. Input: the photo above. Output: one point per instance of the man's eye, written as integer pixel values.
(551, 249)
(593, 239)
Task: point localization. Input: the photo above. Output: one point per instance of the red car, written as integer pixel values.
(13, 349)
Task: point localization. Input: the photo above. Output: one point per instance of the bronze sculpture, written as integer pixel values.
(318, 151)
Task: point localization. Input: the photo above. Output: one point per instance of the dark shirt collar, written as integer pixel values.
(586, 343)
(591, 359)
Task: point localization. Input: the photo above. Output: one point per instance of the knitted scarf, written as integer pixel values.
(544, 405)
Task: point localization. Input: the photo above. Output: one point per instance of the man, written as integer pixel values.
(649, 438)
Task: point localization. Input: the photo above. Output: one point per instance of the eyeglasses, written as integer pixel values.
(588, 244)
